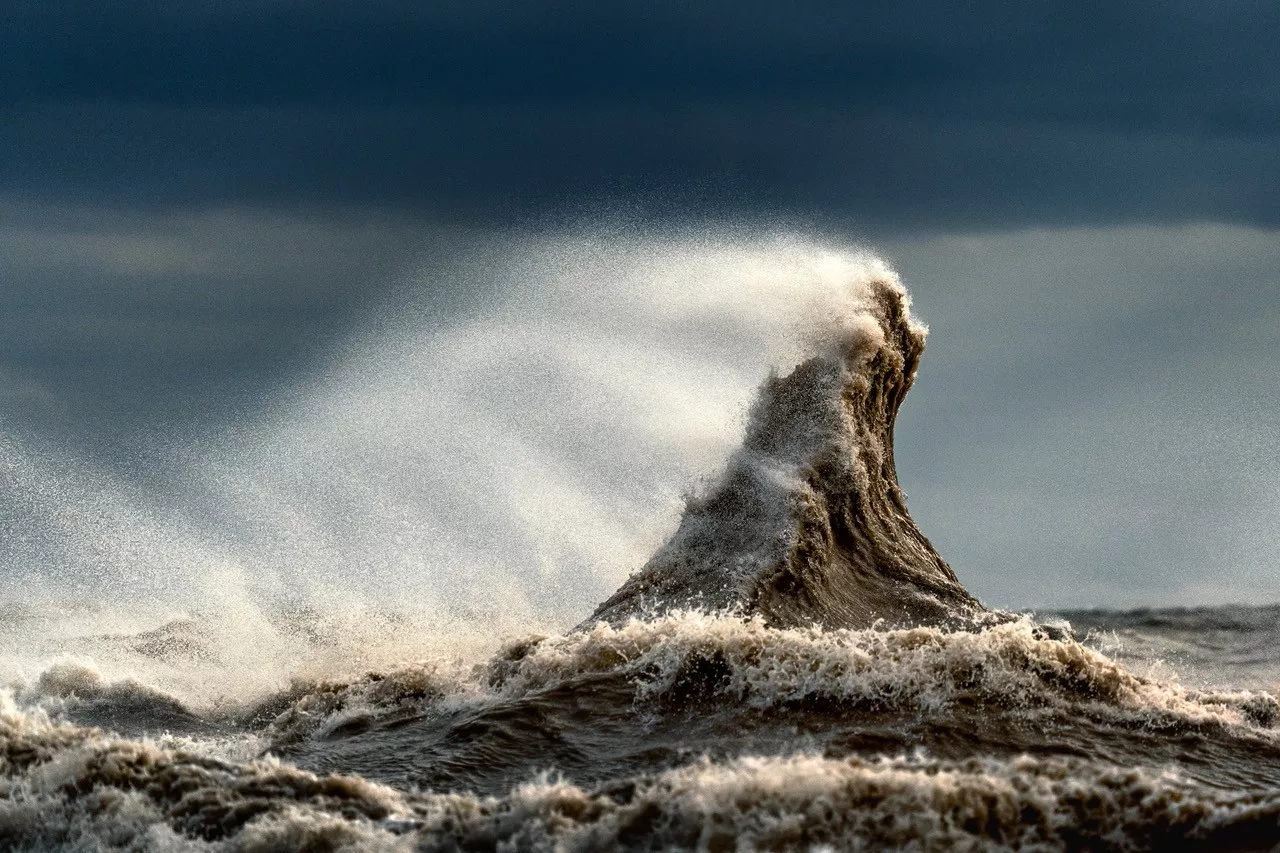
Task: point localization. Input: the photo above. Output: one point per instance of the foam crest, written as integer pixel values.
(725, 662)
(76, 789)
(325, 709)
(931, 668)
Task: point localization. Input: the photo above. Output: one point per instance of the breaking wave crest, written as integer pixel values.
(928, 667)
(808, 523)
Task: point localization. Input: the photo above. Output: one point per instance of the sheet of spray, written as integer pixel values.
(438, 485)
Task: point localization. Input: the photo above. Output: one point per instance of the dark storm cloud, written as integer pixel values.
(891, 114)
(1047, 60)
(112, 322)
(877, 173)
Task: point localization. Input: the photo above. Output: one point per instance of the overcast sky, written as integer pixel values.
(205, 206)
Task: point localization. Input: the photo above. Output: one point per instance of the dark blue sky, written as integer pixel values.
(881, 115)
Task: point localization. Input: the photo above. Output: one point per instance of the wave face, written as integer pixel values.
(808, 523)
(796, 668)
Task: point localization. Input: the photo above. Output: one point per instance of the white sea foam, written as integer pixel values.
(78, 790)
(1013, 666)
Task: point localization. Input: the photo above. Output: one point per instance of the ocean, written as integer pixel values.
(795, 667)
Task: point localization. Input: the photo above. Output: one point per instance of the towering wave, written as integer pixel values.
(843, 713)
(808, 523)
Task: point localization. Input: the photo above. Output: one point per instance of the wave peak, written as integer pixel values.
(808, 524)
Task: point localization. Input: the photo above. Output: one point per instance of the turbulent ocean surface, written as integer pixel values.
(795, 667)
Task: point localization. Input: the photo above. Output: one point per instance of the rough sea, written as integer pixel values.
(794, 668)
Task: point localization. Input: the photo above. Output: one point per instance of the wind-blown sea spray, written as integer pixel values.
(531, 455)
(505, 468)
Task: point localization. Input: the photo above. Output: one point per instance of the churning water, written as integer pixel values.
(349, 625)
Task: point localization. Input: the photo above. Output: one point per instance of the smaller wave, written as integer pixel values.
(76, 788)
(76, 691)
(333, 708)
(927, 667)
(617, 700)
(830, 683)
(807, 801)
(228, 666)
(1014, 663)
(73, 788)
